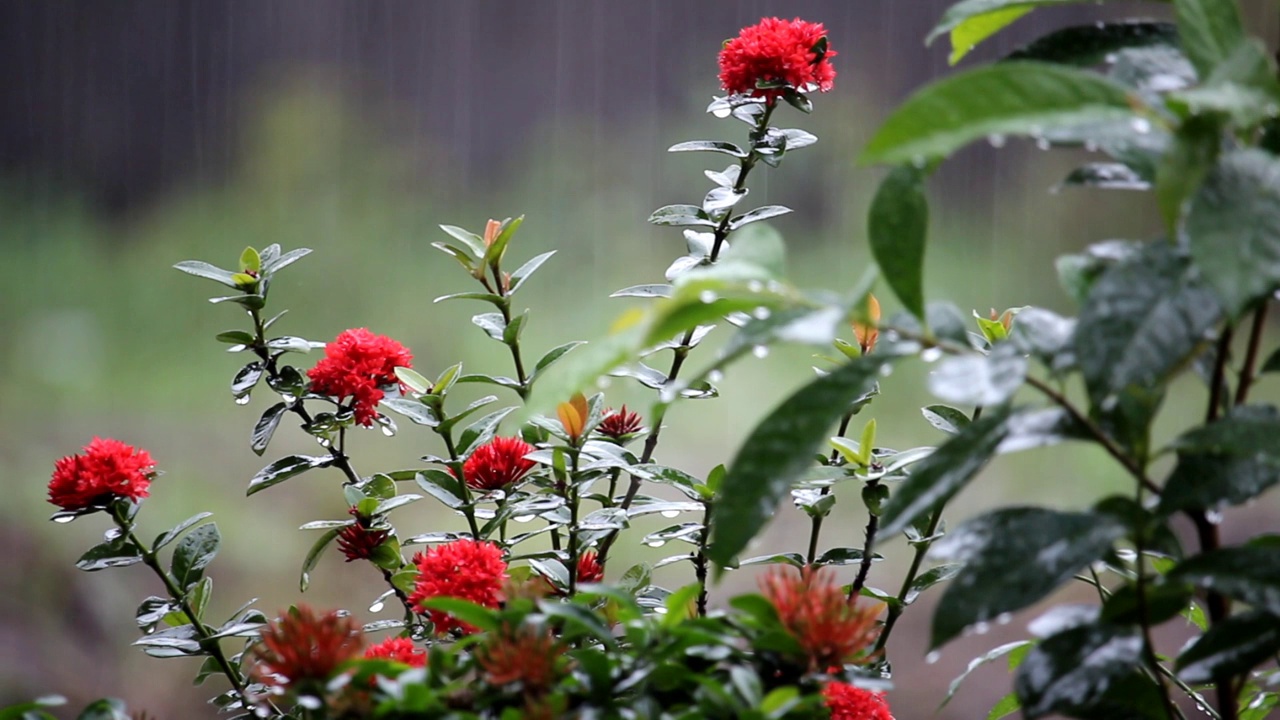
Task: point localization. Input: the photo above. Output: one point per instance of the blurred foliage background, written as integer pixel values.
(138, 133)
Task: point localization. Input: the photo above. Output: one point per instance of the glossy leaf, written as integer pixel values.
(1107, 176)
(776, 452)
(1231, 648)
(1015, 98)
(1228, 462)
(992, 654)
(1234, 227)
(209, 272)
(945, 418)
(1088, 45)
(194, 553)
(313, 556)
(283, 469)
(1012, 558)
(1210, 31)
(246, 378)
(760, 213)
(941, 475)
(172, 534)
(524, 272)
(897, 228)
(1071, 671)
(1250, 573)
(266, 427)
(986, 380)
(110, 554)
(717, 146)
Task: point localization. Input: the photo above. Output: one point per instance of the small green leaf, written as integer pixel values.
(194, 553)
(1210, 31)
(776, 452)
(466, 611)
(246, 379)
(1250, 574)
(897, 228)
(313, 557)
(413, 380)
(498, 248)
(968, 34)
(945, 418)
(474, 243)
(1004, 707)
(524, 272)
(250, 261)
(209, 272)
(1012, 558)
(1071, 671)
(1182, 168)
(974, 664)
(172, 534)
(110, 554)
(283, 469)
(235, 337)
(716, 146)
(1010, 98)
(266, 427)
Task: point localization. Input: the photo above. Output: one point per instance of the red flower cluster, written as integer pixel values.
(106, 470)
(497, 464)
(464, 569)
(589, 568)
(301, 647)
(399, 649)
(777, 51)
(357, 541)
(357, 365)
(618, 424)
(849, 702)
(526, 656)
(815, 611)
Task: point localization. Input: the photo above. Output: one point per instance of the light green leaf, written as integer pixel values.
(1210, 31)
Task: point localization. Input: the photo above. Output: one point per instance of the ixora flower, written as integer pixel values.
(356, 365)
(849, 702)
(525, 655)
(815, 611)
(618, 425)
(464, 569)
(399, 649)
(773, 55)
(302, 647)
(589, 568)
(106, 470)
(497, 464)
(358, 541)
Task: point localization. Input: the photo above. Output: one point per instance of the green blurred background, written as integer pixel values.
(136, 134)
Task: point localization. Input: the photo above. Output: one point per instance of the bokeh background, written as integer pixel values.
(137, 133)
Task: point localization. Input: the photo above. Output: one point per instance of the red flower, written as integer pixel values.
(358, 541)
(815, 611)
(356, 365)
(497, 464)
(107, 469)
(850, 702)
(399, 649)
(589, 568)
(301, 647)
(464, 569)
(777, 51)
(618, 424)
(526, 656)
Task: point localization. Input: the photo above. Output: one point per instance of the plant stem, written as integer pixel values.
(1144, 620)
(1217, 384)
(815, 524)
(700, 560)
(207, 642)
(571, 498)
(514, 345)
(1247, 371)
(895, 611)
(864, 566)
(455, 464)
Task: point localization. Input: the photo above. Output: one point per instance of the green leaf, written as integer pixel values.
(1272, 363)
(108, 709)
(1088, 45)
(209, 272)
(680, 216)
(986, 380)
(760, 213)
(1230, 461)
(1210, 31)
(1142, 319)
(1004, 707)
(31, 710)
(929, 578)
(464, 610)
(553, 355)
(1231, 648)
(494, 253)
(313, 557)
(968, 34)
(776, 452)
(1107, 176)
(580, 618)
(172, 534)
(1012, 558)
(717, 146)
(525, 271)
(1250, 574)
(235, 337)
(974, 664)
(285, 468)
(897, 228)
(246, 379)
(266, 427)
(113, 553)
(945, 418)
(941, 475)
(975, 12)
(194, 553)
(1006, 99)
(1182, 168)
(1234, 228)
(473, 242)
(1071, 671)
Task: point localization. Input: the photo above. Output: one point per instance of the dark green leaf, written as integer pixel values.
(727, 148)
(244, 380)
(555, 354)
(113, 553)
(285, 468)
(897, 228)
(1012, 558)
(467, 612)
(1231, 648)
(1250, 574)
(172, 534)
(109, 709)
(1234, 227)
(1072, 670)
(1163, 601)
(941, 475)
(929, 578)
(1228, 462)
(776, 452)
(681, 215)
(442, 486)
(1088, 45)
(1210, 30)
(266, 427)
(1107, 176)
(1272, 363)
(194, 553)
(235, 337)
(313, 556)
(945, 418)
(580, 618)
(1009, 98)
(760, 213)
(481, 431)
(1182, 168)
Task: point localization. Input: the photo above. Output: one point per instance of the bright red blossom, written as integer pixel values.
(356, 365)
(849, 702)
(464, 569)
(358, 541)
(815, 611)
(399, 649)
(776, 51)
(301, 647)
(617, 424)
(589, 568)
(107, 469)
(497, 464)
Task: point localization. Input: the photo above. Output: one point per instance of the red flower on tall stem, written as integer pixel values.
(303, 647)
(464, 569)
(497, 464)
(357, 365)
(399, 649)
(815, 611)
(778, 54)
(106, 470)
(850, 702)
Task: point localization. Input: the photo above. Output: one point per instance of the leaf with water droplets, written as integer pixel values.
(285, 468)
(897, 227)
(1229, 461)
(1088, 45)
(1250, 574)
(1231, 648)
(1072, 671)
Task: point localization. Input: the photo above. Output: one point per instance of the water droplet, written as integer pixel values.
(386, 430)
(755, 286)
(376, 607)
(1004, 618)
(288, 399)
(761, 313)
(1090, 146)
(603, 382)
(242, 400)
(932, 657)
(324, 442)
(760, 351)
(919, 162)
(1141, 126)
(707, 297)
(996, 139)
(931, 354)
(64, 519)
(668, 394)
(660, 610)
(1111, 58)
(656, 543)
(1042, 143)
(670, 514)
(715, 376)
(1213, 516)
(982, 628)
(522, 518)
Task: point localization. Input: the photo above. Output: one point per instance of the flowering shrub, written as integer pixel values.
(510, 619)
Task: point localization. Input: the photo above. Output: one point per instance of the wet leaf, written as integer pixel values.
(897, 228)
(1071, 671)
(1227, 462)
(986, 380)
(1250, 574)
(1231, 648)
(717, 146)
(945, 418)
(1210, 30)
(110, 554)
(209, 272)
(313, 557)
(1088, 45)
(285, 468)
(266, 427)
(194, 553)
